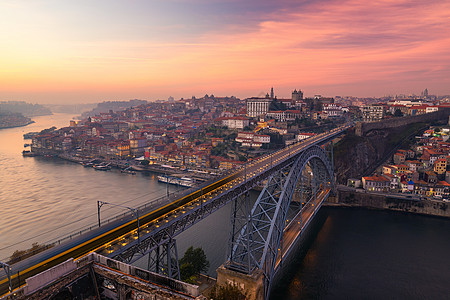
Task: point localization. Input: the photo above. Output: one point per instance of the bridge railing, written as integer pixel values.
(153, 204)
(125, 216)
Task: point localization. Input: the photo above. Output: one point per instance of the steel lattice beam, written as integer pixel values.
(164, 232)
(257, 242)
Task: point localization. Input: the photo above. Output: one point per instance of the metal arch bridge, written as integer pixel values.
(297, 179)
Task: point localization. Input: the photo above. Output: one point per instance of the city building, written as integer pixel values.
(251, 139)
(304, 136)
(257, 107)
(440, 166)
(234, 122)
(372, 113)
(376, 183)
(332, 110)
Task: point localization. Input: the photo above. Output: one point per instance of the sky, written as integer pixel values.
(54, 51)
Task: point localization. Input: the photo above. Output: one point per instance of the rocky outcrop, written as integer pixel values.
(357, 156)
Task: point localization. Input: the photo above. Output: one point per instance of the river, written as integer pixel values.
(351, 254)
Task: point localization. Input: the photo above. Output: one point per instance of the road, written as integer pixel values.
(300, 222)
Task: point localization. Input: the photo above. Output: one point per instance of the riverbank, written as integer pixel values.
(349, 198)
(16, 125)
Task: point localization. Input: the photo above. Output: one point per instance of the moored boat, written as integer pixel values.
(183, 181)
(28, 153)
(102, 167)
(128, 171)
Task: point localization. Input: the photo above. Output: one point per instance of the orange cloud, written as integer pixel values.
(329, 47)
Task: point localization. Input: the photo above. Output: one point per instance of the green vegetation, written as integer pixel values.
(398, 113)
(220, 150)
(192, 263)
(226, 292)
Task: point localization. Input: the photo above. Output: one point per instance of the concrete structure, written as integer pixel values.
(253, 283)
(97, 277)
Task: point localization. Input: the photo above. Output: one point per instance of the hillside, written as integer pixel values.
(24, 108)
(8, 120)
(356, 156)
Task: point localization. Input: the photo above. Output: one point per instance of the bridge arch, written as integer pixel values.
(256, 240)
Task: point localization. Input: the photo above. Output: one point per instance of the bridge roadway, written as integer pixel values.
(110, 238)
(299, 223)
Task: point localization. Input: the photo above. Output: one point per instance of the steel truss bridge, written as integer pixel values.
(296, 180)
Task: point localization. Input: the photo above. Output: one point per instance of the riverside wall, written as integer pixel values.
(349, 198)
(363, 128)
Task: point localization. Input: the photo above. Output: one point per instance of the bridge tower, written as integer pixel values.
(264, 231)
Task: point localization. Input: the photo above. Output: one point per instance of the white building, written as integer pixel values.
(304, 136)
(431, 109)
(258, 107)
(372, 112)
(250, 139)
(283, 116)
(235, 122)
(332, 110)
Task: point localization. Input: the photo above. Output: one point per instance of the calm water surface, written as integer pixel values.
(42, 198)
(351, 254)
(364, 254)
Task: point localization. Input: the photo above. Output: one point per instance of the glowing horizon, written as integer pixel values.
(91, 51)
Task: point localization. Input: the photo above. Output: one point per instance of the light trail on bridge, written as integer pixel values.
(107, 240)
(299, 223)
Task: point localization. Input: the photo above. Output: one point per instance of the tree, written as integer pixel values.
(227, 291)
(398, 113)
(192, 263)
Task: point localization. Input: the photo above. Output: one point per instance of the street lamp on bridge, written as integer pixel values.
(7, 269)
(133, 211)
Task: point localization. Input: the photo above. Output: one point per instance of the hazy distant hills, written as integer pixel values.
(24, 108)
(114, 106)
(71, 108)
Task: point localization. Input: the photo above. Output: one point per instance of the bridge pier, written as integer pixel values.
(252, 284)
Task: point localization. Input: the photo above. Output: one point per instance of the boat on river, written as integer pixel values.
(28, 153)
(102, 167)
(128, 170)
(181, 181)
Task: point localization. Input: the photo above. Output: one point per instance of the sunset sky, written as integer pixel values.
(90, 51)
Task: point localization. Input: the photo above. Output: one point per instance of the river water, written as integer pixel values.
(351, 254)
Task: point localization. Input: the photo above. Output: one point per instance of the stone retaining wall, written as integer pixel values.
(377, 201)
(362, 128)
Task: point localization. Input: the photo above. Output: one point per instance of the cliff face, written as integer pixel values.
(356, 156)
